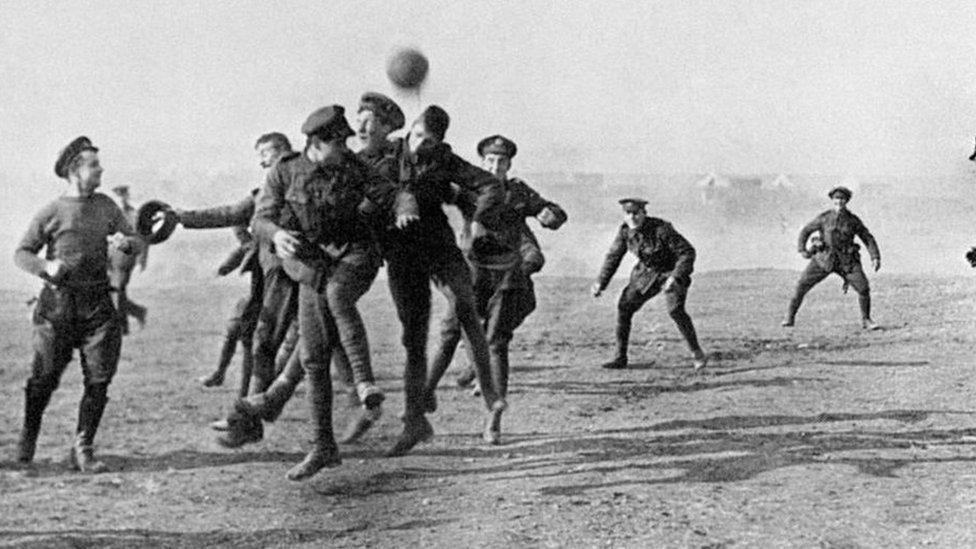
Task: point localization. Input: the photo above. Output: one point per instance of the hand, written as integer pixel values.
(119, 242)
(805, 254)
(285, 244)
(54, 268)
(876, 263)
(596, 290)
(405, 219)
(670, 284)
(160, 216)
(546, 217)
(477, 230)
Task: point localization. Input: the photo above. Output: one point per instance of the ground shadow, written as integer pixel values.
(719, 449)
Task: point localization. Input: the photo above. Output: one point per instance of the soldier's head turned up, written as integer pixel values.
(271, 147)
(326, 130)
(428, 129)
(377, 117)
(496, 152)
(635, 211)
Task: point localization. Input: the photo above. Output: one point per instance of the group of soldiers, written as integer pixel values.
(313, 239)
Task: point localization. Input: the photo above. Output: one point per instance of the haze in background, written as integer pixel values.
(176, 92)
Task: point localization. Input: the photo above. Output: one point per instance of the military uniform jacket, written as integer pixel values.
(424, 184)
(660, 250)
(237, 216)
(329, 205)
(838, 229)
(520, 201)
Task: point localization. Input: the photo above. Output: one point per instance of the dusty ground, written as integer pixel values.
(823, 436)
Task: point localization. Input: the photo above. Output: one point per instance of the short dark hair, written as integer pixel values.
(277, 139)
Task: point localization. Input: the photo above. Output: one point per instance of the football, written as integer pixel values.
(407, 68)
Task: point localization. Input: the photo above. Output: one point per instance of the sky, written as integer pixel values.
(660, 87)
(177, 90)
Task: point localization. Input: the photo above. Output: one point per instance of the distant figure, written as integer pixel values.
(837, 254)
(121, 267)
(74, 309)
(972, 157)
(665, 262)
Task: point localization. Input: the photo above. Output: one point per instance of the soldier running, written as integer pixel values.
(74, 309)
(665, 261)
(838, 254)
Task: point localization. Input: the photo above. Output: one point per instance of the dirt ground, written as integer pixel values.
(820, 436)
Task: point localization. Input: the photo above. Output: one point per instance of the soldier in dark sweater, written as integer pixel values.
(74, 309)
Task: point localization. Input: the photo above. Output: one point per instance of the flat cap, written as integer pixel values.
(384, 108)
(843, 191)
(497, 144)
(69, 153)
(633, 204)
(328, 123)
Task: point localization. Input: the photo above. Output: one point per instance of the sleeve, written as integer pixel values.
(805, 232)
(270, 203)
(488, 192)
(535, 204)
(613, 258)
(230, 215)
(25, 256)
(868, 239)
(682, 249)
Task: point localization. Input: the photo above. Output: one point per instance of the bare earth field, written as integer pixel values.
(820, 436)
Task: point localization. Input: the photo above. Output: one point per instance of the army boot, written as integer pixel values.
(493, 423)
(35, 401)
(324, 453)
(242, 428)
(372, 399)
(90, 412)
(416, 429)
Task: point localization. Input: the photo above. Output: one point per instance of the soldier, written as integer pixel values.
(243, 324)
(74, 309)
(504, 292)
(665, 262)
(312, 208)
(121, 266)
(377, 117)
(425, 250)
(838, 254)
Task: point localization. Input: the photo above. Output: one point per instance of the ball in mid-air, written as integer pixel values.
(407, 68)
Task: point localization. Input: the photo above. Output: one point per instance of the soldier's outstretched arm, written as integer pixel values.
(612, 260)
(230, 215)
(549, 214)
(488, 192)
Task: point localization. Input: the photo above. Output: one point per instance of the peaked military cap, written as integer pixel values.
(383, 107)
(633, 204)
(69, 153)
(120, 189)
(497, 144)
(843, 191)
(328, 122)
